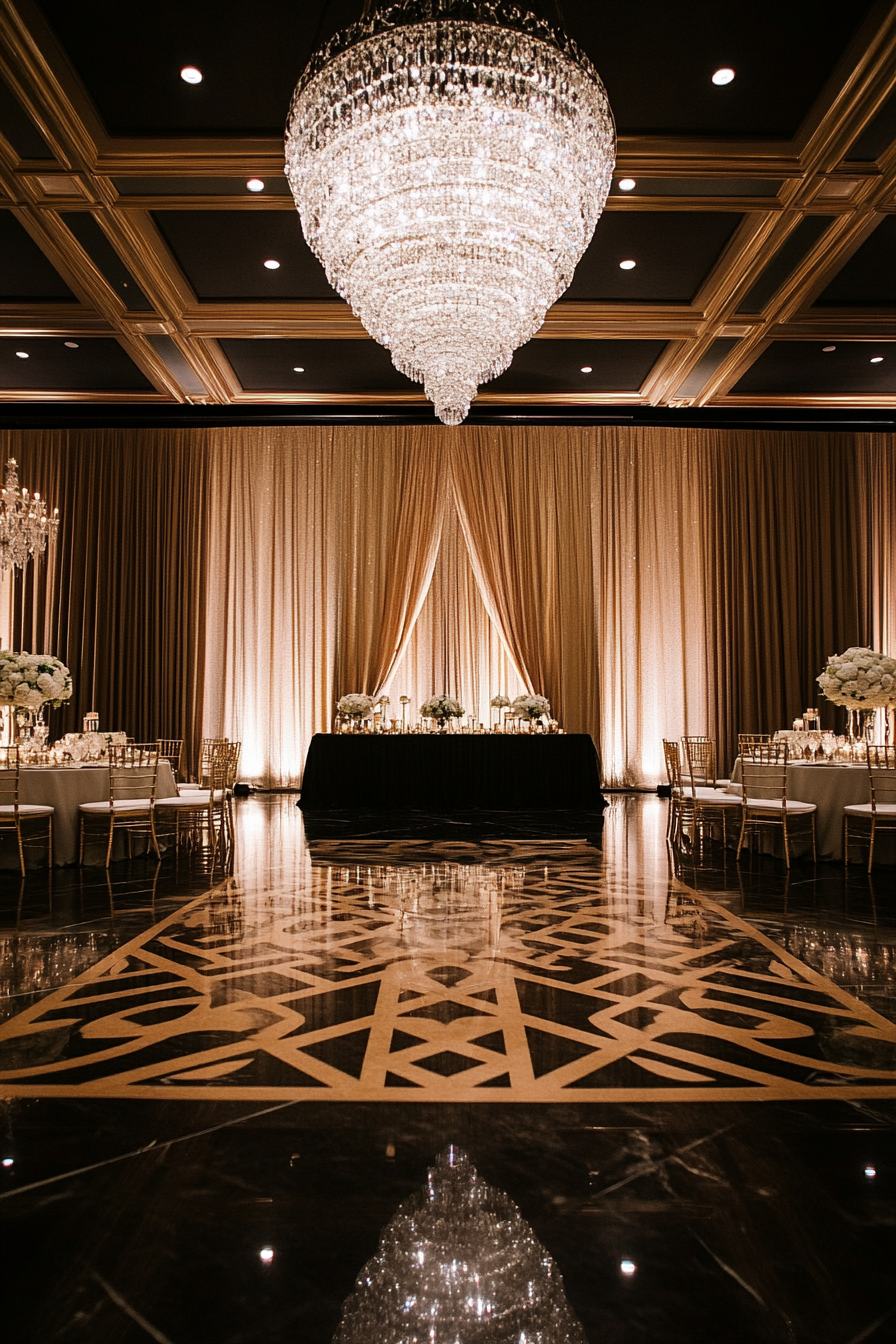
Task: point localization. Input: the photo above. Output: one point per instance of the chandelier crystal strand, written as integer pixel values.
(25, 525)
(449, 161)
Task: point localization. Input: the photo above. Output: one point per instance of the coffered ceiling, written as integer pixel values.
(762, 222)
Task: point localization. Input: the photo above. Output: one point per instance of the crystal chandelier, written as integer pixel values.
(25, 525)
(459, 1262)
(450, 160)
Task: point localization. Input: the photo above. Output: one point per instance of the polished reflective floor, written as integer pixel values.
(634, 1099)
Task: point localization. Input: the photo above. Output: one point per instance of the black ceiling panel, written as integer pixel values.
(706, 366)
(25, 273)
(869, 277)
(699, 186)
(329, 366)
(107, 261)
(222, 253)
(97, 364)
(674, 252)
(656, 59)
(18, 127)
(784, 262)
(556, 366)
(803, 368)
(878, 136)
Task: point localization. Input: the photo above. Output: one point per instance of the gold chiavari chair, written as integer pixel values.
(171, 750)
(201, 816)
(747, 742)
(133, 771)
(765, 804)
(695, 805)
(14, 815)
(700, 760)
(880, 813)
(206, 752)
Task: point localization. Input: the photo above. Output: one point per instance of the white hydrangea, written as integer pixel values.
(30, 680)
(860, 679)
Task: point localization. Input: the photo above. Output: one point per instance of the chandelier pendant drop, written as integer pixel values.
(449, 161)
(25, 525)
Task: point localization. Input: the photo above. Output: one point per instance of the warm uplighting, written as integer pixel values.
(627, 184)
(272, 265)
(266, 1254)
(628, 1267)
(627, 265)
(255, 184)
(190, 75)
(586, 368)
(723, 76)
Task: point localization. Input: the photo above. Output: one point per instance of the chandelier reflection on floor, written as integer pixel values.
(458, 1262)
(25, 525)
(450, 160)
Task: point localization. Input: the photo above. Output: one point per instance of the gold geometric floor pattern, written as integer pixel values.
(496, 981)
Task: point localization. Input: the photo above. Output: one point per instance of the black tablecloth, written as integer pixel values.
(461, 770)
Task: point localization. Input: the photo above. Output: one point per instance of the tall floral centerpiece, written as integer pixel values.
(863, 681)
(499, 702)
(30, 681)
(442, 708)
(355, 707)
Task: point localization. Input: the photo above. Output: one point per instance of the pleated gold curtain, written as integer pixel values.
(524, 503)
(123, 601)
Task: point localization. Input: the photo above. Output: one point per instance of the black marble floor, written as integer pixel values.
(132, 1211)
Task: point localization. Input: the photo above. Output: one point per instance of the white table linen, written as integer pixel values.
(65, 789)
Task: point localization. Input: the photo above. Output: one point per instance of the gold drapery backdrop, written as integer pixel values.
(648, 581)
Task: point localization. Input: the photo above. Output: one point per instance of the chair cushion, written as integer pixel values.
(866, 810)
(188, 788)
(121, 805)
(705, 795)
(27, 810)
(775, 805)
(195, 798)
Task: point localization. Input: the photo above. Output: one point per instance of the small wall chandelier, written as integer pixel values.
(25, 525)
(450, 161)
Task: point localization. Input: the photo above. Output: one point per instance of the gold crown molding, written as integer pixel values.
(844, 324)
(51, 320)
(120, 398)
(844, 401)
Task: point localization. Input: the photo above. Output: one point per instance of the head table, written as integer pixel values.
(65, 788)
(490, 771)
(831, 787)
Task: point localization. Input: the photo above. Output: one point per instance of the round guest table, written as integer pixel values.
(65, 788)
(830, 788)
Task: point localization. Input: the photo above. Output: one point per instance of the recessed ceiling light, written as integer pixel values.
(828, 349)
(723, 76)
(627, 184)
(878, 359)
(870, 1172)
(628, 1266)
(272, 265)
(586, 368)
(21, 354)
(255, 184)
(627, 265)
(298, 369)
(266, 1254)
(71, 345)
(190, 75)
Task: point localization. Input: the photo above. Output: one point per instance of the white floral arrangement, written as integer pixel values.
(32, 680)
(860, 679)
(442, 707)
(355, 706)
(531, 707)
(500, 702)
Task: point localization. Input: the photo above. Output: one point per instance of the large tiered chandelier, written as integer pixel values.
(450, 160)
(25, 524)
(459, 1262)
